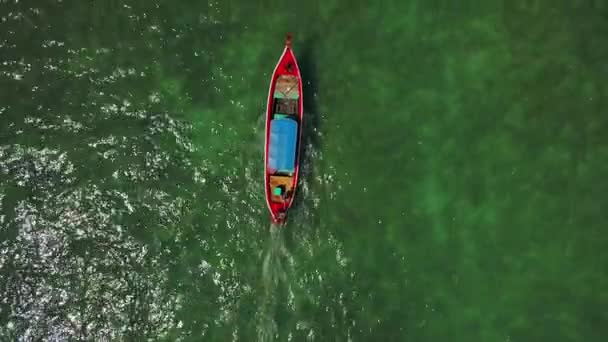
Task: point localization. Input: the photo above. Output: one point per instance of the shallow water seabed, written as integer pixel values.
(452, 172)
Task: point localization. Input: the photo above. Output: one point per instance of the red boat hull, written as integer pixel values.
(287, 65)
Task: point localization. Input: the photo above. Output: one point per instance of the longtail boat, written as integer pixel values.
(283, 134)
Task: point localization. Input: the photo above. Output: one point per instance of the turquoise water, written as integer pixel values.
(453, 183)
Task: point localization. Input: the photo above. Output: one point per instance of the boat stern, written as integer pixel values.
(279, 217)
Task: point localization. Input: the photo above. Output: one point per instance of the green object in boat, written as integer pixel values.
(277, 191)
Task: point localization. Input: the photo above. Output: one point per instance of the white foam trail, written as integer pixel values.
(273, 275)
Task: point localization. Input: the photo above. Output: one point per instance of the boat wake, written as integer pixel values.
(277, 266)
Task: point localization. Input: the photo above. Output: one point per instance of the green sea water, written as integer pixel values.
(453, 183)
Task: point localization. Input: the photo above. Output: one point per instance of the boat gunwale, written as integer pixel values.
(287, 51)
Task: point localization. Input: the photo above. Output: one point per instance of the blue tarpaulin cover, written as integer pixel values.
(282, 145)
